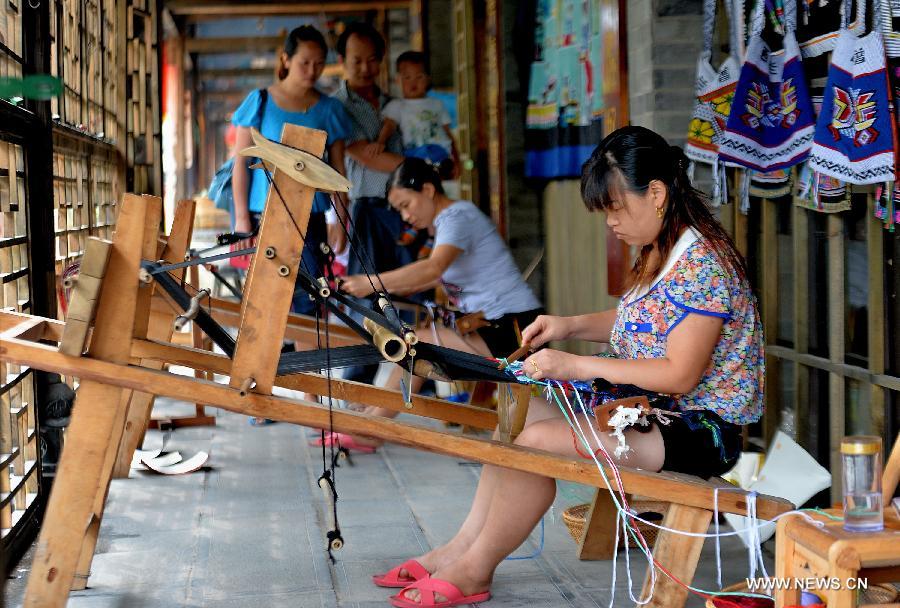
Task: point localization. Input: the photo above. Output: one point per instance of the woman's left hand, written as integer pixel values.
(549, 363)
(356, 285)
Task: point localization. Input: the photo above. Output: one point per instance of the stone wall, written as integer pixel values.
(664, 39)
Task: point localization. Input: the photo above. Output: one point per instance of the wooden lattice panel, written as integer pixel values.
(92, 111)
(104, 192)
(70, 56)
(55, 7)
(72, 223)
(83, 40)
(18, 434)
(110, 33)
(85, 190)
(142, 78)
(11, 38)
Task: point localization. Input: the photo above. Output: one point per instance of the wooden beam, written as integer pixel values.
(300, 328)
(247, 44)
(9, 320)
(208, 9)
(211, 74)
(688, 490)
(333, 69)
(476, 417)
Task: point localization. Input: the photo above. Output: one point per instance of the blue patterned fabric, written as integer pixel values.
(854, 139)
(771, 122)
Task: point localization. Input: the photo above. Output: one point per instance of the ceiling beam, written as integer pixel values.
(224, 96)
(252, 44)
(213, 73)
(259, 8)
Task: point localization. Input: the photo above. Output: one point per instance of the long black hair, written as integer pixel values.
(628, 159)
(413, 173)
(299, 35)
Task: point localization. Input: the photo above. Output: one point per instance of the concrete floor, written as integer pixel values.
(249, 530)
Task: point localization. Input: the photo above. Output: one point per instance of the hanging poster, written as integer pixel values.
(565, 94)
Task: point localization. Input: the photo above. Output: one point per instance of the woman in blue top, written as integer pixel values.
(293, 99)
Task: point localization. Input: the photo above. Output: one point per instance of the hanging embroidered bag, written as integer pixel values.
(854, 138)
(771, 122)
(715, 91)
(821, 24)
(890, 26)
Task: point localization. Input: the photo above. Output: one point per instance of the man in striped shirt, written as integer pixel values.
(375, 227)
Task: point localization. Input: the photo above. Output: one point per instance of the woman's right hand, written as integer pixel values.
(242, 224)
(546, 328)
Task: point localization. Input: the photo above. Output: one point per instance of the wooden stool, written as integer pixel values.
(804, 550)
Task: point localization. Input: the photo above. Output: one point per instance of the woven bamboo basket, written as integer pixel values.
(651, 510)
(874, 595)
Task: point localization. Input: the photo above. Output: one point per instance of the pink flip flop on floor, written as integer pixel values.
(345, 441)
(430, 587)
(391, 578)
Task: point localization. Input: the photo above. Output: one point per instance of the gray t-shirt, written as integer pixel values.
(484, 276)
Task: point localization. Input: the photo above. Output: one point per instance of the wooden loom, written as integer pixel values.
(115, 370)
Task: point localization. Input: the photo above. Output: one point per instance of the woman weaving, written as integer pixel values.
(471, 261)
(688, 327)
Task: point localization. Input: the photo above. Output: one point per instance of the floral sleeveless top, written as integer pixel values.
(696, 283)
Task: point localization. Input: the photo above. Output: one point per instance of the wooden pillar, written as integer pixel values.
(152, 218)
(598, 538)
(270, 282)
(466, 95)
(769, 314)
(496, 98)
(836, 340)
(800, 229)
(79, 477)
(160, 328)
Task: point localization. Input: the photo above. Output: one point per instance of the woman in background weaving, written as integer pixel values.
(469, 259)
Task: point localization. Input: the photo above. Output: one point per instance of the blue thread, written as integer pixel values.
(536, 553)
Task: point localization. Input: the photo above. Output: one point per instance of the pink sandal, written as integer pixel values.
(345, 441)
(430, 587)
(391, 578)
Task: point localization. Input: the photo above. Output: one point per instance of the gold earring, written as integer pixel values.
(659, 212)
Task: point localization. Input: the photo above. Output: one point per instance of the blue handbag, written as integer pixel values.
(220, 189)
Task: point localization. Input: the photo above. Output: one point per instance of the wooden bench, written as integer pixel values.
(115, 366)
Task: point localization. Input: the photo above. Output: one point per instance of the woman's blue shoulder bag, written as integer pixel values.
(220, 190)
